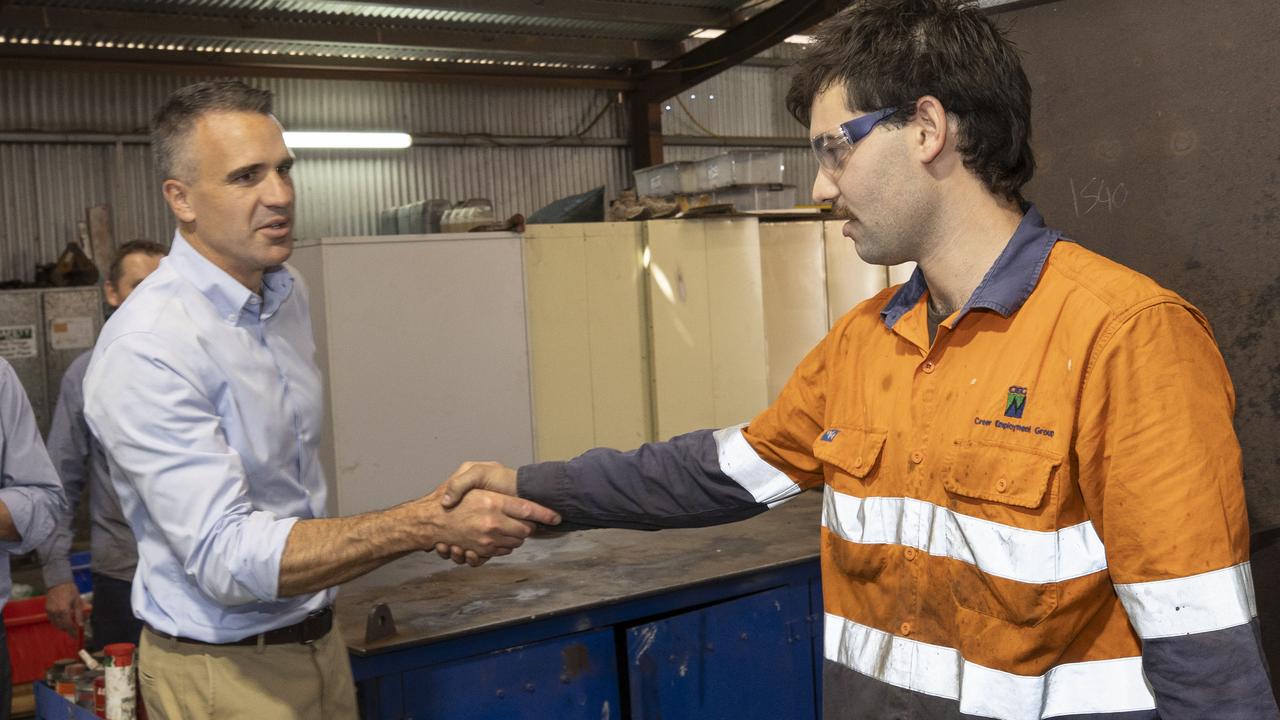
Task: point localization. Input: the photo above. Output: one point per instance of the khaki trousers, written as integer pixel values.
(185, 681)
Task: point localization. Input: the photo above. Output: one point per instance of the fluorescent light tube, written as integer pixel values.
(383, 140)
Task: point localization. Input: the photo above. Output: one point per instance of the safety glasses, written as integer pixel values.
(833, 147)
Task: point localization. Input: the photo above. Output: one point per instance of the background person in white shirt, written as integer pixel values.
(204, 391)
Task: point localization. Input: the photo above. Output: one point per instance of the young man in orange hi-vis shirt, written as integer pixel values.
(1033, 497)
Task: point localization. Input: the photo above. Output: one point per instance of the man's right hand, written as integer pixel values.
(65, 608)
(482, 524)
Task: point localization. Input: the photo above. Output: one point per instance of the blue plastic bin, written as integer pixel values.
(80, 571)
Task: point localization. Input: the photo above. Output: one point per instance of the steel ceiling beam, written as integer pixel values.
(753, 36)
(115, 22)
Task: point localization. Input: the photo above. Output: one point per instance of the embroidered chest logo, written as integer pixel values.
(830, 435)
(1016, 402)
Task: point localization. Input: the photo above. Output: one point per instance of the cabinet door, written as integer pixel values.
(588, 337)
(794, 280)
(850, 280)
(566, 678)
(742, 659)
(707, 313)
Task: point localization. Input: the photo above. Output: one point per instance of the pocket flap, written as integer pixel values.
(853, 450)
(1001, 473)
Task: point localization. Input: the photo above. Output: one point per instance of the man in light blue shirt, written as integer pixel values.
(204, 392)
(30, 496)
(82, 466)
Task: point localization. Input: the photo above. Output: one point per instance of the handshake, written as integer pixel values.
(480, 516)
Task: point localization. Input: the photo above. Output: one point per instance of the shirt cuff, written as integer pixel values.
(261, 570)
(57, 571)
(545, 483)
(20, 510)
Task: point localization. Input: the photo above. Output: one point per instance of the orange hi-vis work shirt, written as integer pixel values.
(1039, 514)
(1011, 510)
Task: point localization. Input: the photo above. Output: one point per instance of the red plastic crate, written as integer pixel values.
(34, 643)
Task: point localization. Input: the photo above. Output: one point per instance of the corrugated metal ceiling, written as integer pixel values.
(346, 12)
(567, 35)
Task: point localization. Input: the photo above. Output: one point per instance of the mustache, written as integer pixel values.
(841, 212)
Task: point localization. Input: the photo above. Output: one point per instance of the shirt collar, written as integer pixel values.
(1007, 284)
(229, 298)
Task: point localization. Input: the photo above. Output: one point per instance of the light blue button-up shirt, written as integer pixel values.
(82, 466)
(209, 404)
(29, 486)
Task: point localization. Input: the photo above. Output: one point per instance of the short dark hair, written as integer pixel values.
(148, 247)
(888, 53)
(178, 115)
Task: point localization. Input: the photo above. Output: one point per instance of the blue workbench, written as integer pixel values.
(720, 622)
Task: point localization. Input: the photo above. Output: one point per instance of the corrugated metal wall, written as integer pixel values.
(45, 187)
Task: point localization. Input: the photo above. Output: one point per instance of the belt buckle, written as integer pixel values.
(311, 625)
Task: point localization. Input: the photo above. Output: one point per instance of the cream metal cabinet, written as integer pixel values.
(41, 332)
(850, 280)
(588, 337)
(794, 282)
(422, 339)
(709, 362)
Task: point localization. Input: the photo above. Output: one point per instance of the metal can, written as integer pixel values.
(121, 682)
(56, 671)
(84, 690)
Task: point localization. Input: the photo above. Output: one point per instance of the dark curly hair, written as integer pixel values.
(888, 53)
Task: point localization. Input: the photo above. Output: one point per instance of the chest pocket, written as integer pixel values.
(999, 569)
(852, 454)
(852, 459)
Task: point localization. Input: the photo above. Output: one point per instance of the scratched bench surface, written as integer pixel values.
(432, 599)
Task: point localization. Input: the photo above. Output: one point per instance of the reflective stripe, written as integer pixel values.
(1101, 686)
(738, 460)
(1029, 556)
(1182, 606)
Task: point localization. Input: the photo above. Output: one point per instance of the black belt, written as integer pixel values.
(306, 631)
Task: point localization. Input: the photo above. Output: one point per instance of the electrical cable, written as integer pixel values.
(693, 119)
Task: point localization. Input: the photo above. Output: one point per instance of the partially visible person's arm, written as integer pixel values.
(68, 447)
(702, 478)
(323, 553)
(1160, 471)
(166, 438)
(30, 494)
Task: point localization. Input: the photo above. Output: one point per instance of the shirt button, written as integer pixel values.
(928, 366)
(917, 457)
(909, 553)
(905, 629)
(1002, 485)
(857, 464)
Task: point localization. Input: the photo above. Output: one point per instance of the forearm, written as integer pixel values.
(322, 553)
(678, 483)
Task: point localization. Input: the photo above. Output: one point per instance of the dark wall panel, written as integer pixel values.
(1157, 129)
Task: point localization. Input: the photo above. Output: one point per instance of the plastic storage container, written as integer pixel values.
(741, 167)
(747, 198)
(34, 643)
(82, 571)
(667, 179)
(466, 215)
